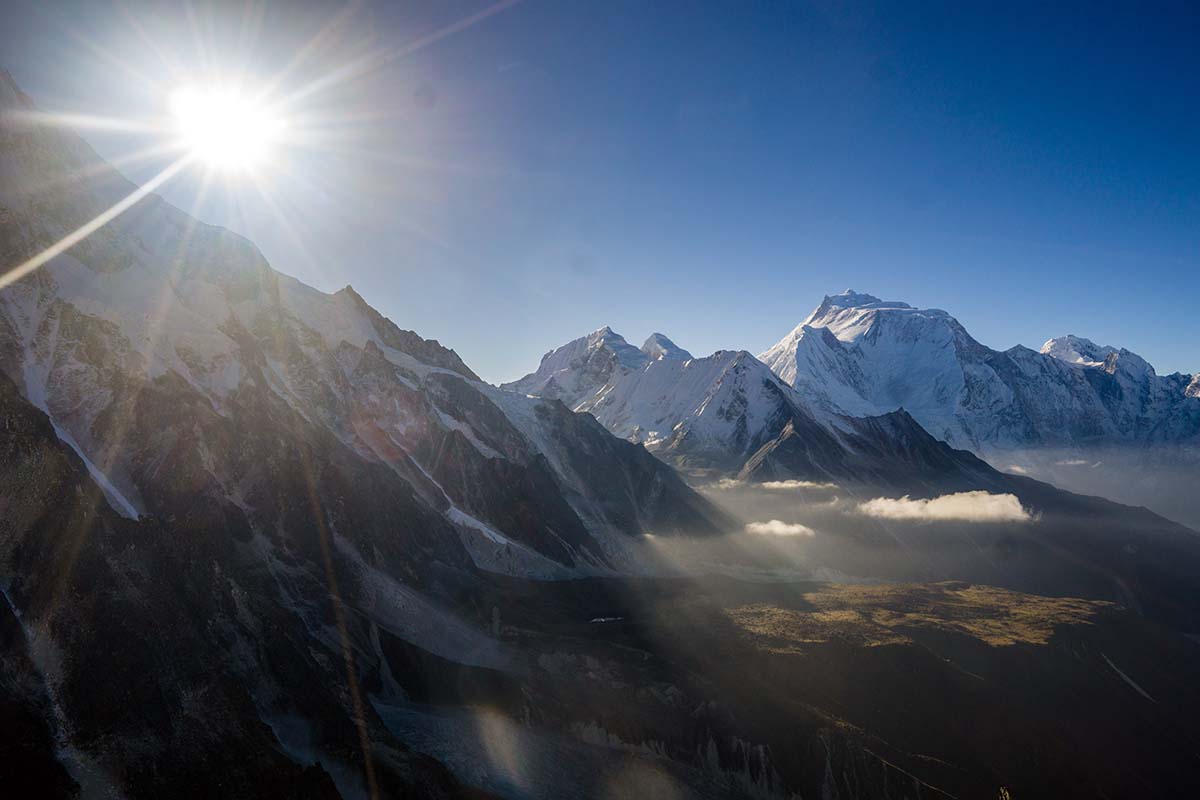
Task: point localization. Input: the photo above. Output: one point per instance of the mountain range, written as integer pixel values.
(258, 540)
(856, 354)
(855, 358)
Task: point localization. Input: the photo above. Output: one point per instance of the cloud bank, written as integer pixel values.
(773, 486)
(790, 486)
(777, 527)
(960, 507)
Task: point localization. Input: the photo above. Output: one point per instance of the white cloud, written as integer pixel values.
(772, 486)
(790, 486)
(1072, 462)
(777, 527)
(1017, 468)
(961, 507)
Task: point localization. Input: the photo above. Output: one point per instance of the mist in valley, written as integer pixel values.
(1162, 478)
(1046, 542)
(804, 530)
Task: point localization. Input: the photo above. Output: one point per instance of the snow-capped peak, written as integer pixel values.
(627, 355)
(815, 351)
(1086, 353)
(1076, 350)
(852, 299)
(659, 346)
(574, 370)
(861, 356)
(853, 312)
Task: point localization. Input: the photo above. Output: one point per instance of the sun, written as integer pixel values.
(224, 128)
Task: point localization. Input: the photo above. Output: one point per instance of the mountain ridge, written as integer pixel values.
(877, 356)
(225, 328)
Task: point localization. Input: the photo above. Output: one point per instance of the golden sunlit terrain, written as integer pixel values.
(885, 614)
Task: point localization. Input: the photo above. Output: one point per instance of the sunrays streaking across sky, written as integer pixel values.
(232, 122)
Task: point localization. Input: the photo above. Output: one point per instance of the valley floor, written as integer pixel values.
(714, 685)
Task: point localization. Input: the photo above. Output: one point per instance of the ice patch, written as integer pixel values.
(112, 494)
(1128, 679)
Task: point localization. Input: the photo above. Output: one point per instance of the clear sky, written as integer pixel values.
(709, 170)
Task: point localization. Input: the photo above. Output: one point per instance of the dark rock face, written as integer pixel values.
(888, 451)
(169, 643)
(622, 483)
(27, 752)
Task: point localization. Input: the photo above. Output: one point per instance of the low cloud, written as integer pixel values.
(772, 486)
(1072, 462)
(960, 507)
(777, 527)
(1017, 468)
(791, 486)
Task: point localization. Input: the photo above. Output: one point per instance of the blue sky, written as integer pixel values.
(709, 170)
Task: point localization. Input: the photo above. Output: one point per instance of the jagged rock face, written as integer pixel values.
(1076, 350)
(891, 450)
(151, 648)
(710, 412)
(579, 368)
(860, 356)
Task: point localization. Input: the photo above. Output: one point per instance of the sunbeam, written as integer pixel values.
(104, 169)
(100, 220)
(87, 122)
(383, 56)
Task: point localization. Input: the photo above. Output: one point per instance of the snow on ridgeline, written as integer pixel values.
(1077, 350)
(659, 346)
(723, 406)
(857, 355)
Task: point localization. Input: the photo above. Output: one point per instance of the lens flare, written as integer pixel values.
(224, 128)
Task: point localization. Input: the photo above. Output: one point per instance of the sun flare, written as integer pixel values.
(224, 128)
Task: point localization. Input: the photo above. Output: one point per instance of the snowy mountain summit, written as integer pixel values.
(659, 346)
(729, 413)
(713, 410)
(579, 367)
(817, 400)
(858, 355)
(1077, 350)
